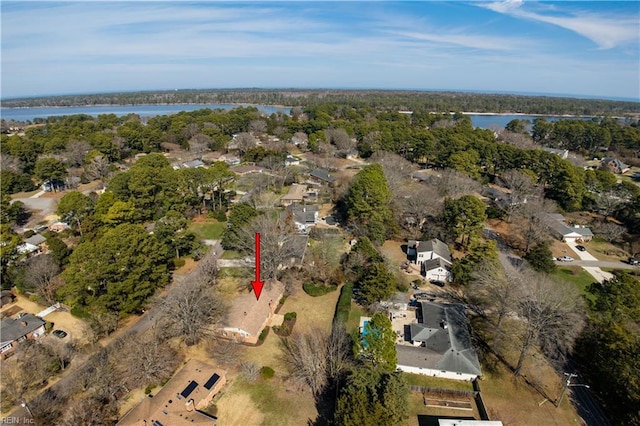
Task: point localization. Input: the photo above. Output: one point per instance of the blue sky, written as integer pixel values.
(577, 48)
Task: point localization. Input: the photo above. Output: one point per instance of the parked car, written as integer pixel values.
(634, 261)
(565, 259)
(581, 248)
(59, 334)
(438, 283)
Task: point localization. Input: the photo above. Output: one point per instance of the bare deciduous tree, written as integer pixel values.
(416, 203)
(76, 152)
(10, 163)
(98, 168)
(451, 183)
(609, 231)
(225, 352)
(39, 276)
(258, 126)
(397, 170)
(277, 238)
(198, 144)
(339, 138)
(245, 141)
(317, 357)
(530, 219)
(250, 371)
(552, 316)
(191, 310)
(151, 360)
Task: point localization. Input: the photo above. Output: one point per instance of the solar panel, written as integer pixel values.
(190, 388)
(212, 381)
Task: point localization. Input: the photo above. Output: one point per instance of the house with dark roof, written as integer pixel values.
(180, 402)
(576, 233)
(439, 344)
(614, 165)
(322, 176)
(304, 216)
(37, 240)
(14, 331)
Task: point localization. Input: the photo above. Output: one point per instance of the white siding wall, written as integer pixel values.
(436, 373)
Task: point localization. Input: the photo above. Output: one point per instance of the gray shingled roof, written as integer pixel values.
(322, 175)
(36, 239)
(13, 329)
(436, 263)
(447, 349)
(435, 245)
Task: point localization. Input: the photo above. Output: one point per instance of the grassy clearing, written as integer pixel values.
(235, 272)
(577, 276)
(437, 382)
(208, 230)
(232, 254)
(604, 250)
(354, 318)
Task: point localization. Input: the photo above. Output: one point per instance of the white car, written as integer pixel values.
(565, 259)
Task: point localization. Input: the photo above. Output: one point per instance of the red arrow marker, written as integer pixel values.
(257, 284)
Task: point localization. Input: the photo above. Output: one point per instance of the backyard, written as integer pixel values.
(207, 229)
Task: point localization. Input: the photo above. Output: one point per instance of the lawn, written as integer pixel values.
(232, 254)
(604, 250)
(577, 276)
(270, 402)
(437, 382)
(354, 318)
(208, 230)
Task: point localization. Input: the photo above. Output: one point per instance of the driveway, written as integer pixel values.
(593, 270)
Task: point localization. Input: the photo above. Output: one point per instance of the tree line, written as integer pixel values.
(387, 99)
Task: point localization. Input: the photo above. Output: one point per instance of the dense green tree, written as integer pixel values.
(12, 182)
(49, 168)
(368, 203)
(540, 258)
(240, 217)
(59, 251)
(377, 343)
(464, 217)
(73, 207)
(372, 397)
(376, 283)
(517, 126)
(609, 348)
(118, 271)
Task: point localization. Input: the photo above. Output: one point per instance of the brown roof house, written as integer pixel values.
(14, 331)
(179, 402)
(247, 316)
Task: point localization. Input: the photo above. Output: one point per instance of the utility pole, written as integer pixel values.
(568, 383)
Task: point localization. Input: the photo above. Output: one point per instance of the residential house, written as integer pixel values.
(181, 400)
(248, 316)
(419, 251)
(59, 226)
(245, 170)
(576, 233)
(36, 240)
(14, 331)
(297, 194)
(562, 153)
(292, 161)
(26, 248)
(231, 160)
(322, 176)
(304, 216)
(437, 269)
(614, 165)
(193, 164)
(439, 344)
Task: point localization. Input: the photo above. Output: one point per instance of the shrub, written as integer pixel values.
(263, 334)
(282, 301)
(344, 303)
(148, 389)
(315, 290)
(179, 262)
(290, 316)
(267, 373)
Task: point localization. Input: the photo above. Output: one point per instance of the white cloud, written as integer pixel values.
(607, 31)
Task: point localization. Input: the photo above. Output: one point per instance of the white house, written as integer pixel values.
(437, 270)
(576, 233)
(421, 251)
(440, 344)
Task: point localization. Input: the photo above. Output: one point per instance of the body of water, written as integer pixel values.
(29, 114)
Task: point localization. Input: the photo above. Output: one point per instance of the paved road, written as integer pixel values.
(599, 264)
